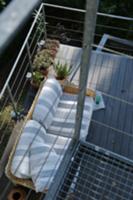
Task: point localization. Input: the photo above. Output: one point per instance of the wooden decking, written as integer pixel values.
(112, 128)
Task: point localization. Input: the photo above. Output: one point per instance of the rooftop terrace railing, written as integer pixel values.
(15, 87)
(14, 91)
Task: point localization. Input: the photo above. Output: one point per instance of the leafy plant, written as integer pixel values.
(39, 22)
(2, 3)
(6, 126)
(52, 44)
(62, 70)
(37, 78)
(42, 60)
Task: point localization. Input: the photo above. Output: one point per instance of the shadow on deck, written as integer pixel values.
(112, 128)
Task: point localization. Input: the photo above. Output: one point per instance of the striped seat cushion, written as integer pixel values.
(45, 158)
(47, 102)
(64, 120)
(38, 155)
(20, 163)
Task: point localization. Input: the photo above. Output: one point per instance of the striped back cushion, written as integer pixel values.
(45, 158)
(47, 102)
(64, 120)
(20, 162)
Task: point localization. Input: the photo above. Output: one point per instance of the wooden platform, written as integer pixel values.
(112, 75)
(111, 128)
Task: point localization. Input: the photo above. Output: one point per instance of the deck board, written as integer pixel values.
(112, 75)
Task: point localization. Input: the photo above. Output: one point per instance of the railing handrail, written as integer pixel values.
(83, 11)
(20, 53)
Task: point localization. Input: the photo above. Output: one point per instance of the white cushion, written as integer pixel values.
(45, 158)
(20, 163)
(47, 102)
(63, 123)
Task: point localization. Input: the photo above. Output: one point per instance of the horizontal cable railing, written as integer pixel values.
(14, 92)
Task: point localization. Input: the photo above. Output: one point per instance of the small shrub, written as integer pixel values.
(6, 127)
(42, 59)
(37, 78)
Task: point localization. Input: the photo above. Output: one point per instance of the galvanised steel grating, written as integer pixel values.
(97, 174)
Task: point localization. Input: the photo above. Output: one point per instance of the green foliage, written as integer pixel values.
(7, 126)
(118, 7)
(42, 59)
(2, 3)
(5, 117)
(37, 78)
(39, 22)
(52, 44)
(62, 70)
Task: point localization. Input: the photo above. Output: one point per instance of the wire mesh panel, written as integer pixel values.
(97, 175)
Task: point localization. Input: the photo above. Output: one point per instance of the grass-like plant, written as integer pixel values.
(62, 70)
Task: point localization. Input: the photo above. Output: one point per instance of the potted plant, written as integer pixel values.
(42, 62)
(49, 52)
(62, 71)
(36, 80)
(52, 44)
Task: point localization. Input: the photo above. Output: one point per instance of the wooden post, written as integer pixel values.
(89, 30)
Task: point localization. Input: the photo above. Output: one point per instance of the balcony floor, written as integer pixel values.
(112, 128)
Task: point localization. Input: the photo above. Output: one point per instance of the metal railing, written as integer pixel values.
(69, 29)
(16, 86)
(15, 89)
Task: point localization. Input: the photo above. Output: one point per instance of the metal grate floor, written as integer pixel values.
(95, 174)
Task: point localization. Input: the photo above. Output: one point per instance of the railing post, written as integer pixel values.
(12, 100)
(29, 56)
(44, 19)
(89, 29)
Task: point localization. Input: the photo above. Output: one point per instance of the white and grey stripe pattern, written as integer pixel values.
(38, 155)
(45, 159)
(20, 162)
(47, 102)
(64, 120)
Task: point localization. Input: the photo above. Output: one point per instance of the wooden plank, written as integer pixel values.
(115, 113)
(73, 89)
(113, 75)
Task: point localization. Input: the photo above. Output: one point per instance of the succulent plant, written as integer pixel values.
(62, 70)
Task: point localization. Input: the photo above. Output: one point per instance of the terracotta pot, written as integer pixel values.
(44, 71)
(17, 194)
(34, 85)
(62, 81)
